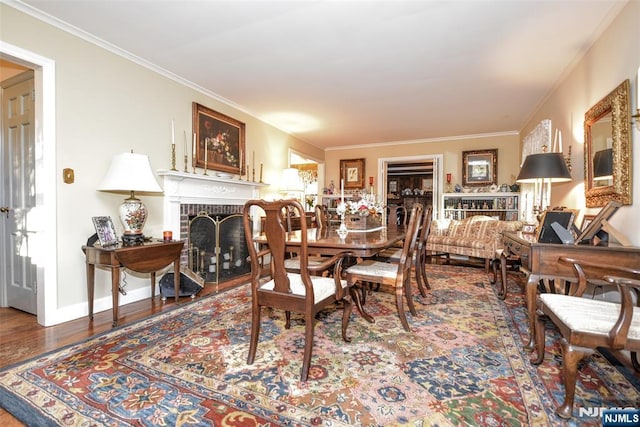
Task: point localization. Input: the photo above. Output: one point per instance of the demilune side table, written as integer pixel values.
(147, 257)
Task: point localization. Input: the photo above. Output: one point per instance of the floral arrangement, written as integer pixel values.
(220, 145)
(365, 206)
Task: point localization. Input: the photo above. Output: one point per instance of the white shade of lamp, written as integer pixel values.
(128, 173)
(291, 181)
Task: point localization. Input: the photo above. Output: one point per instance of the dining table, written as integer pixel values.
(360, 243)
(327, 241)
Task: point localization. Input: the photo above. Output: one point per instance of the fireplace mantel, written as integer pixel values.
(189, 188)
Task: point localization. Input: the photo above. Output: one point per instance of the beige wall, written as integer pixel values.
(106, 104)
(613, 58)
(450, 148)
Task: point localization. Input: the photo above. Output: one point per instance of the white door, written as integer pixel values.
(17, 157)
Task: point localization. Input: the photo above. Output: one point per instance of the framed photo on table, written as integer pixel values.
(546, 233)
(480, 167)
(105, 230)
(352, 173)
(219, 141)
(586, 220)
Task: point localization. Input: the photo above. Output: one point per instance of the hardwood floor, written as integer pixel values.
(22, 338)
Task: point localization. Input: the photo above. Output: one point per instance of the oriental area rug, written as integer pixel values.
(463, 363)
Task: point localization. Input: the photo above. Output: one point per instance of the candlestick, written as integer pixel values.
(206, 153)
(185, 152)
(559, 141)
(173, 132)
(173, 157)
(193, 153)
(342, 191)
(261, 173)
(247, 172)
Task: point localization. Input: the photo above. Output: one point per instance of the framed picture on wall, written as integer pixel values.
(480, 167)
(219, 141)
(352, 173)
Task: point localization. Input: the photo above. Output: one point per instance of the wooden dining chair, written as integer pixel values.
(399, 216)
(322, 216)
(292, 263)
(586, 324)
(396, 275)
(420, 256)
(273, 286)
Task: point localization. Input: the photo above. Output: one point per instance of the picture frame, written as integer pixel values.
(586, 220)
(546, 233)
(480, 167)
(223, 137)
(352, 173)
(592, 228)
(105, 230)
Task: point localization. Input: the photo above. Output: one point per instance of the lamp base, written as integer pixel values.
(132, 239)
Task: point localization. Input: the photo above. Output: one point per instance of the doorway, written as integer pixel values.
(310, 173)
(42, 218)
(17, 157)
(412, 179)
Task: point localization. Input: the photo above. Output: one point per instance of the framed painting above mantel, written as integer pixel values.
(480, 167)
(219, 141)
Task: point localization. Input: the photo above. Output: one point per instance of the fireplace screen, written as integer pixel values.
(217, 247)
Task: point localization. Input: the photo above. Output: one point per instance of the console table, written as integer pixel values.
(148, 257)
(540, 261)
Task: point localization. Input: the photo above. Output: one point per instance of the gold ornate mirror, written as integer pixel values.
(607, 149)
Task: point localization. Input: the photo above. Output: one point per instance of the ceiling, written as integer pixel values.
(340, 73)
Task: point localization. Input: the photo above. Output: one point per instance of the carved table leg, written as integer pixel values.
(531, 292)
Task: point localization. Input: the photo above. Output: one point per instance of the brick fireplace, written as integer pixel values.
(186, 195)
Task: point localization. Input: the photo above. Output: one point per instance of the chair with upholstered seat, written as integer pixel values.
(322, 216)
(586, 324)
(397, 216)
(273, 286)
(315, 262)
(420, 256)
(396, 275)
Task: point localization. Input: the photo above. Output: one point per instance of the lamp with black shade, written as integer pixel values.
(129, 173)
(543, 169)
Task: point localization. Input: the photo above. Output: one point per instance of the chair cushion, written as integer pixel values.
(392, 253)
(375, 268)
(323, 287)
(294, 263)
(588, 315)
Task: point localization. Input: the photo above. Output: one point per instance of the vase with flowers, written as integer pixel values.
(363, 214)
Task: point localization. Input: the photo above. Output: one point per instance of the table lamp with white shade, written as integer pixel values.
(129, 173)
